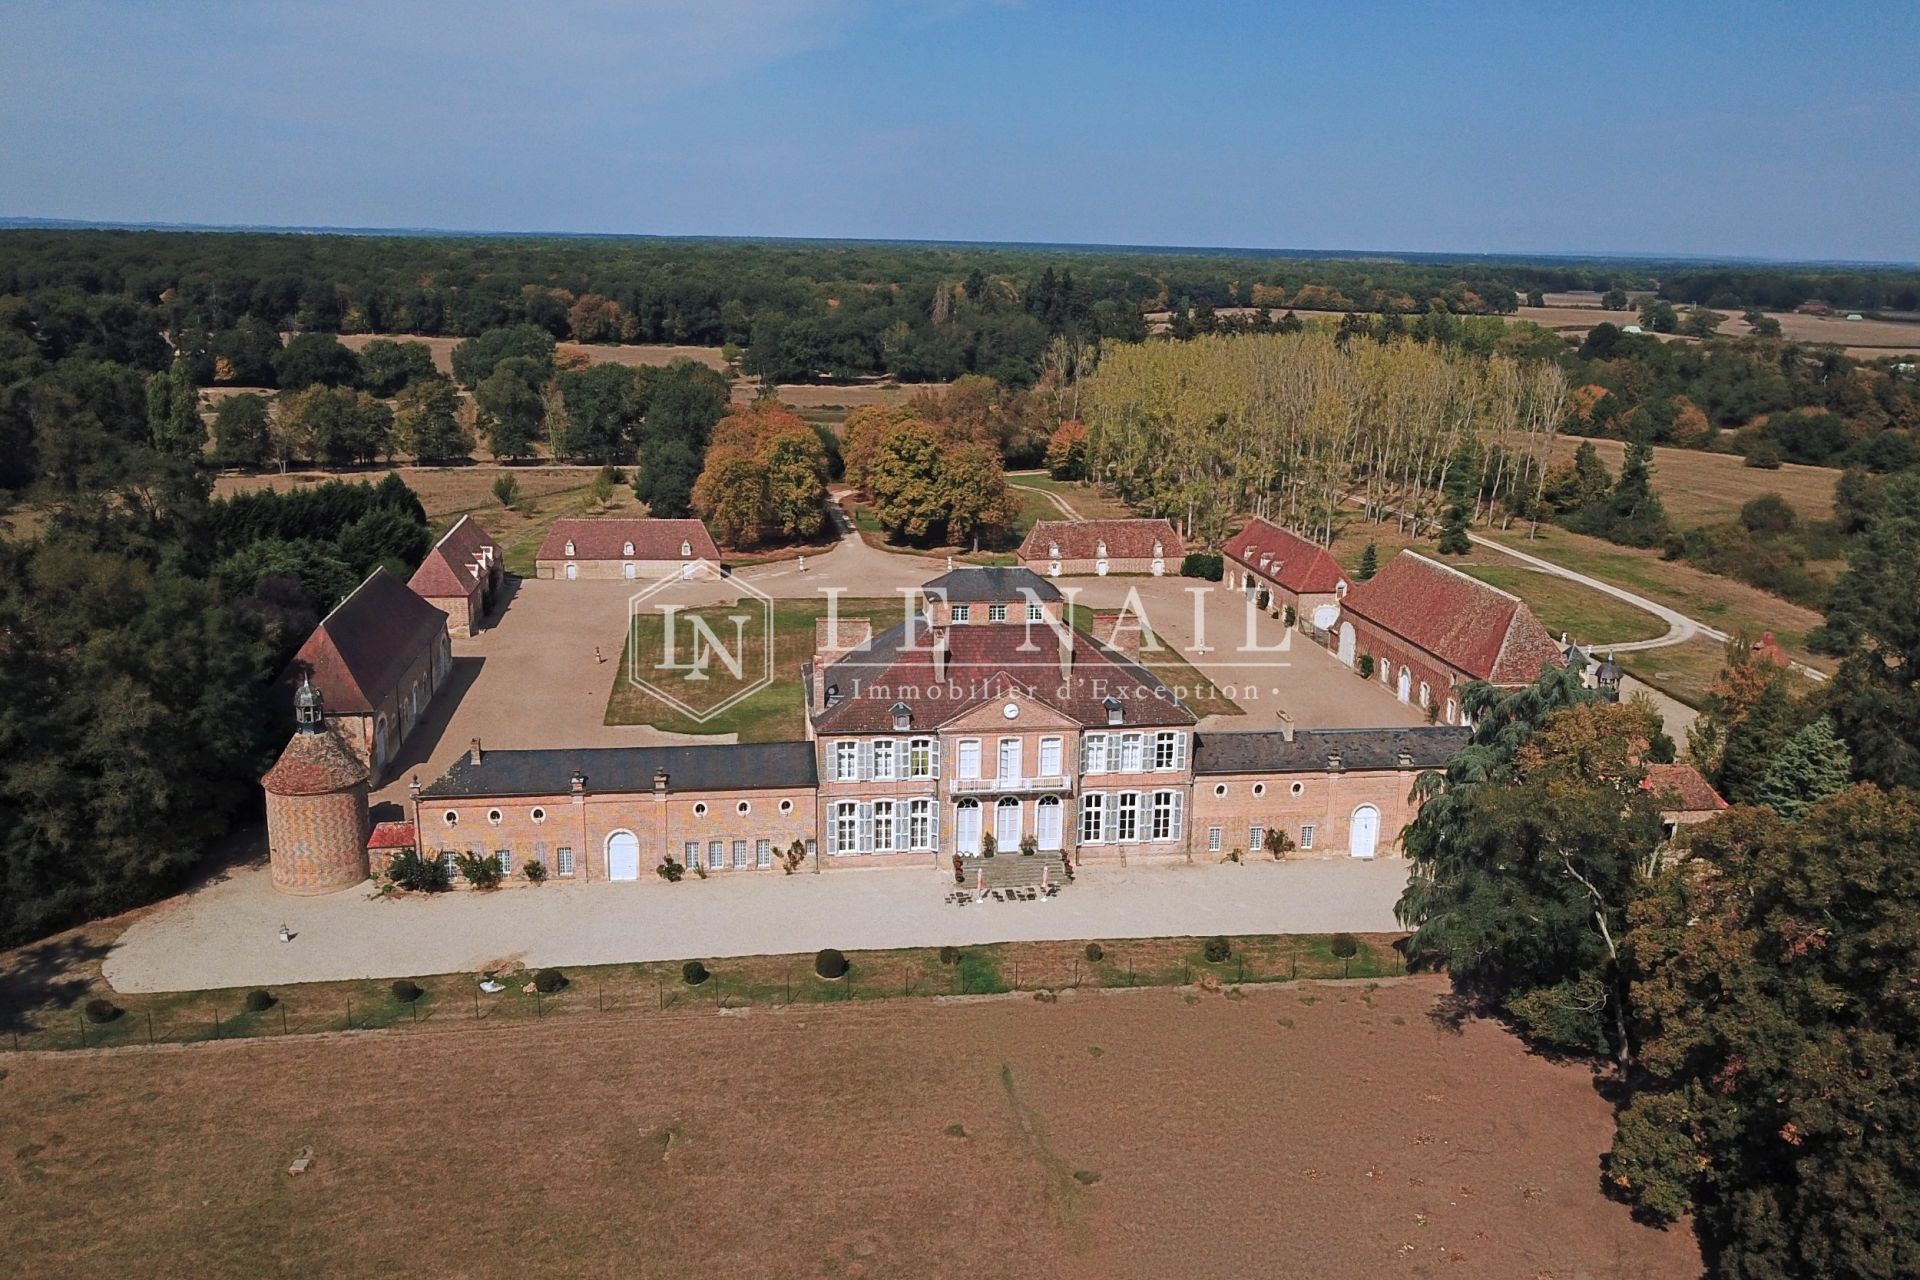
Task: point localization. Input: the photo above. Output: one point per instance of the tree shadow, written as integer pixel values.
(497, 607)
(426, 735)
(45, 973)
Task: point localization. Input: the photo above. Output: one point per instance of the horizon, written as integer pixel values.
(1645, 134)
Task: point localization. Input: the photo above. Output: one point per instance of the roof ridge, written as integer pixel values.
(328, 617)
(1478, 582)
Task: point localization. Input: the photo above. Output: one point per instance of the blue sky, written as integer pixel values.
(1750, 129)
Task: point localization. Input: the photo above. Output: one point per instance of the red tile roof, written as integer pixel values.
(358, 653)
(1681, 788)
(391, 835)
(608, 539)
(314, 764)
(453, 566)
(985, 663)
(1081, 539)
(1472, 627)
(1287, 558)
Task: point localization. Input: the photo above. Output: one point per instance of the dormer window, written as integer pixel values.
(1112, 704)
(570, 546)
(902, 716)
(686, 548)
(1101, 549)
(833, 694)
(962, 613)
(1053, 550)
(627, 550)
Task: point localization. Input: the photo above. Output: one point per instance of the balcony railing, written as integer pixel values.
(1011, 785)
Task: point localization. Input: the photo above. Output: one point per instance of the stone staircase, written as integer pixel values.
(1016, 870)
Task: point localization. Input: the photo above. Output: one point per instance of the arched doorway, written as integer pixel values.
(1346, 643)
(623, 856)
(1006, 824)
(1047, 824)
(1406, 684)
(573, 571)
(1364, 835)
(966, 826)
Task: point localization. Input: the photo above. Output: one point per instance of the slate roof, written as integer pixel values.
(1299, 565)
(1479, 629)
(1081, 539)
(314, 764)
(1681, 788)
(452, 566)
(358, 653)
(1268, 751)
(719, 767)
(986, 663)
(607, 539)
(976, 582)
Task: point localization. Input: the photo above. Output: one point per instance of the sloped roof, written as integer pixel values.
(452, 566)
(391, 835)
(1681, 788)
(716, 767)
(1081, 539)
(314, 764)
(358, 653)
(1268, 751)
(974, 583)
(1294, 562)
(607, 539)
(986, 663)
(1471, 626)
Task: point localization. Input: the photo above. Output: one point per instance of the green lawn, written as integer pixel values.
(1588, 616)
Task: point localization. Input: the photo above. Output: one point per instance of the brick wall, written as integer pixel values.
(317, 844)
(643, 570)
(1442, 680)
(1326, 801)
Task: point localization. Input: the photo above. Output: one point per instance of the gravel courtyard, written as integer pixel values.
(226, 934)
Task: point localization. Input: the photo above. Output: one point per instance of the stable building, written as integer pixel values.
(634, 550)
(1426, 629)
(1278, 569)
(461, 576)
(1072, 548)
(377, 660)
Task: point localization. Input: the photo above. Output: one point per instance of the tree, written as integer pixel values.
(1777, 1095)
(1702, 322)
(241, 434)
(1754, 740)
(1874, 619)
(427, 421)
(665, 479)
(1369, 562)
(334, 425)
(387, 366)
(765, 475)
(603, 410)
(173, 413)
(903, 479)
(731, 495)
(976, 492)
(1659, 317)
(510, 408)
(1812, 765)
(506, 490)
(1615, 300)
(475, 358)
(315, 359)
(1067, 451)
(1453, 533)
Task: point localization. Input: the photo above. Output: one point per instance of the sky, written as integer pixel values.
(1751, 129)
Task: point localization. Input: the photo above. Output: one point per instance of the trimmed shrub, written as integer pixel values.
(1344, 946)
(259, 1001)
(548, 981)
(1202, 564)
(1217, 950)
(481, 870)
(830, 964)
(1095, 953)
(99, 1010)
(1363, 666)
(535, 871)
(949, 955)
(693, 973)
(670, 871)
(406, 991)
(408, 870)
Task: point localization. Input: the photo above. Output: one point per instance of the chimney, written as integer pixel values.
(1333, 760)
(940, 655)
(659, 782)
(578, 783)
(413, 788)
(473, 751)
(1286, 727)
(1406, 758)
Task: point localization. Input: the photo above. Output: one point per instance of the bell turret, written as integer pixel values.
(308, 712)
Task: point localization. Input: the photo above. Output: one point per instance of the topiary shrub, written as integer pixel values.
(1344, 946)
(406, 991)
(1290, 616)
(535, 871)
(99, 1010)
(830, 964)
(670, 871)
(1095, 953)
(408, 870)
(481, 870)
(1364, 666)
(1217, 950)
(693, 973)
(260, 1001)
(1202, 564)
(548, 981)
(949, 955)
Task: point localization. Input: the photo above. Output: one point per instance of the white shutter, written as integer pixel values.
(864, 769)
(1173, 831)
(1110, 830)
(866, 829)
(933, 754)
(1180, 750)
(902, 827)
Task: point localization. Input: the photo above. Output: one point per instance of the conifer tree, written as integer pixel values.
(1369, 562)
(1813, 765)
(1453, 534)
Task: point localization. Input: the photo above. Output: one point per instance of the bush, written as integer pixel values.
(259, 1001)
(949, 955)
(409, 870)
(988, 845)
(1290, 616)
(548, 981)
(99, 1010)
(535, 871)
(1364, 666)
(1029, 845)
(1217, 951)
(481, 870)
(1095, 953)
(670, 871)
(506, 489)
(1764, 455)
(830, 964)
(693, 973)
(1344, 946)
(406, 991)
(1203, 564)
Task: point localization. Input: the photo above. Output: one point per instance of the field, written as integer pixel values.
(1700, 488)
(1341, 1128)
(634, 354)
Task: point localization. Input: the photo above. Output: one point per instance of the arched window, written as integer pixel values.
(1101, 549)
(966, 826)
(627, 550)
(686, 548)
(1048, 822)
(569, 546)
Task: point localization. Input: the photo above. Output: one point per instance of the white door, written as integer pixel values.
(1346, 643)
(623, 856)
(686, 571)
(630, 572)
(1365, 833)
(1046, 823)
(1009, 759)
(1006, 825)
(966, 826)
(573, 571)
(1406, 684)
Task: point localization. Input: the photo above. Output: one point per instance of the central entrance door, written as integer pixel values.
(1365, 834)
(623, 856)
(1006, 825)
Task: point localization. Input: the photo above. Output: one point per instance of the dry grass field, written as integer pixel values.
(634, 354)
(1323, 1129)
(1708, 488)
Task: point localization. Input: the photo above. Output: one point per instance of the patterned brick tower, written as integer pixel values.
(316, 807)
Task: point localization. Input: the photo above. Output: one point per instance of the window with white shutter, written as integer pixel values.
(1132, 753)
(1165, 824)
(1093, 753)
(883, 825)
(1092, 814)
(846, 760)
(920, 824)
(1129, 816)
(866, 759)
(763, 853)
(884, 752)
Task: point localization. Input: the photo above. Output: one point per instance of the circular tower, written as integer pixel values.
(316, 807)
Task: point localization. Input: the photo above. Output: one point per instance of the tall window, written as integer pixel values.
(1093, 753)
(883, 751)
(1129, 822)
(962, 612)
(846, 827)
(1256, 837)
(503, 858)
(883, 825)
(846, 761)
(1166, 749)
(920, 824)
(966, 824)
(690, 853)
(1213, 839)
(1035, 613)
(739, 853)
(716, 854)
(1306, 836)
(920, 758)
(1166, 816)
(996, 613)
(1049, 757)
(1009, 758)
(563, 860)
(1093, 809)
(1047, 822)
(763, 853)
(970, 757)
(1132, 753)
